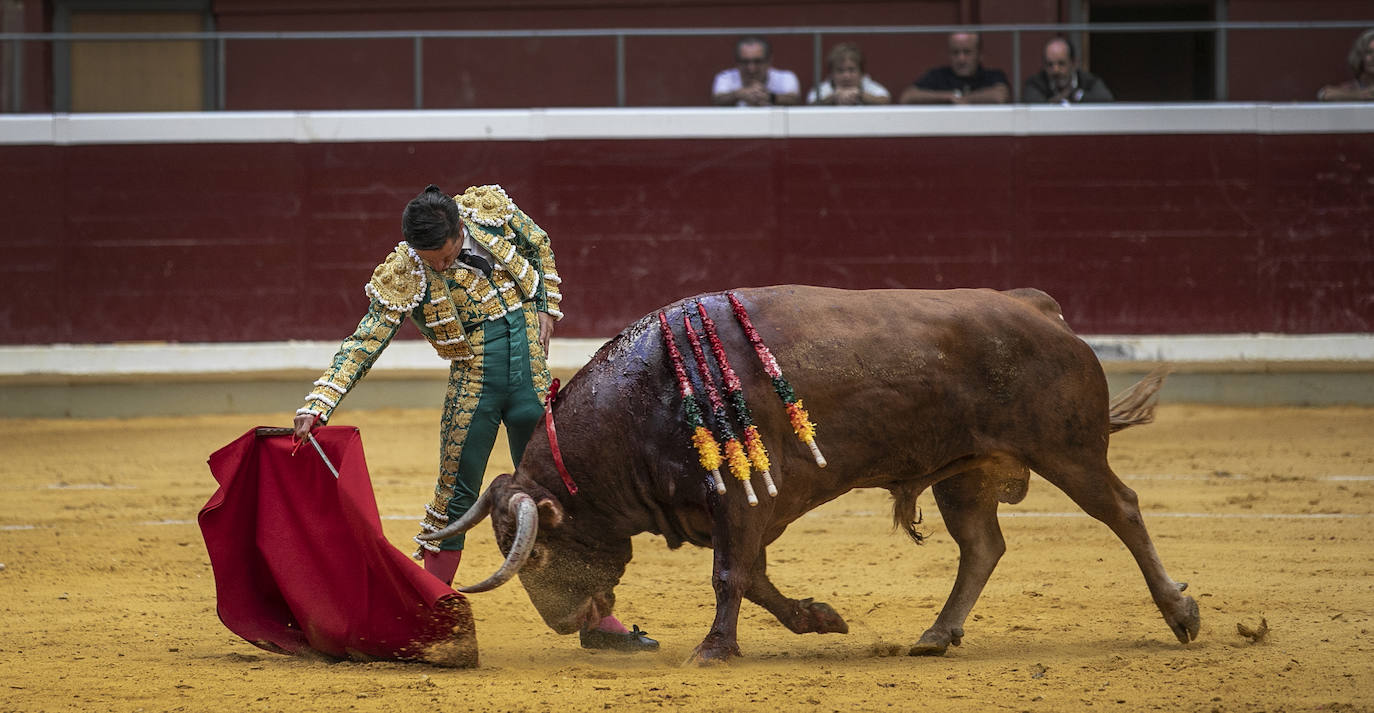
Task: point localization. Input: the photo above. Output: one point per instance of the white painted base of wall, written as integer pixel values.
(247, 358)
(269, 380)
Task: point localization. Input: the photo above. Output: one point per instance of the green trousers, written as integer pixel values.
(494, 387)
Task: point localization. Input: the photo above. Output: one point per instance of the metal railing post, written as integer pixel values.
(418, 70)
(15, 101)
(221, 93)
(1015, 77)
(1219, 62)
(620, 70)
(817, 64)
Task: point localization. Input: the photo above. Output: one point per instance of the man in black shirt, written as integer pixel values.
(963, 81)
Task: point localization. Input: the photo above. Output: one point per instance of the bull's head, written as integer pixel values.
(569, 571)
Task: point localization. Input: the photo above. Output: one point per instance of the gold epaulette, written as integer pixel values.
(486, 205)
(489, 213)
(399, 282)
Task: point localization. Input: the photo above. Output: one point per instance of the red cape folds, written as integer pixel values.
(301, 564)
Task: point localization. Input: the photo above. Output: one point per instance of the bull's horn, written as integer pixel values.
(527, 527)
(475, 514)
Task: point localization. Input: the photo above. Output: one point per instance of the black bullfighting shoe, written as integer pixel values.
(634, 640)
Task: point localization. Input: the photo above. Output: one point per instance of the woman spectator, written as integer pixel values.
(847, 82)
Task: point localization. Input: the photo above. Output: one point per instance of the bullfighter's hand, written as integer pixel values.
(545, 331)
(304, 424)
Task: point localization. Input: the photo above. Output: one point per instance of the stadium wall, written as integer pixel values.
(1196, 221)
(262, 227)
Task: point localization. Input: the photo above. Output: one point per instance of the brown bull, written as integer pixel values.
(959, 391)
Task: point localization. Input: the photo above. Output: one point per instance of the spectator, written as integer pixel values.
(1061, 80)
(1361, 63)
(847, 82)
(754, 81)
(964, 80)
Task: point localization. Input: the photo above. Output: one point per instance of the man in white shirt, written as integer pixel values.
(754, 81)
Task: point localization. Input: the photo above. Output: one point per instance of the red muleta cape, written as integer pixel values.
(301, 564)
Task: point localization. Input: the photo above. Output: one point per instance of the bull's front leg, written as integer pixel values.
(800, 616)
(728, 578)
(736, 549)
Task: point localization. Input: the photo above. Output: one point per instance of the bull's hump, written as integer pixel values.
(1038, 299)
(629, 343)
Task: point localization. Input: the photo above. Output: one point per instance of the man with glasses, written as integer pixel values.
(753, 81)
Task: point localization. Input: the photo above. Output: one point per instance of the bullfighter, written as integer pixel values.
(477, 277)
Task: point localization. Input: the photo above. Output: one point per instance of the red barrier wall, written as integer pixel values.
(1133, 234)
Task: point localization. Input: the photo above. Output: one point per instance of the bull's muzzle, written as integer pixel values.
(526, 515)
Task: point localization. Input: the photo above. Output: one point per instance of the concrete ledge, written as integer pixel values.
(111, 381)
(1256, 384)
(1247, 352)
(250, 358)
(281, 392)
(633, 123)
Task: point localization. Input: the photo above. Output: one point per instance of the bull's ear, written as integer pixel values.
(550, 514)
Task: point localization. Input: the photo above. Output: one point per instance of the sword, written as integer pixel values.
(269, 431)
(323, 457)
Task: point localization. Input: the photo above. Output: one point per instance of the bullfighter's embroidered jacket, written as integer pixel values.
(447, 306)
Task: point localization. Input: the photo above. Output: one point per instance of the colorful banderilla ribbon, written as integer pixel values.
(801, 423)
(734, 391)
(708, 450)
(734, 452)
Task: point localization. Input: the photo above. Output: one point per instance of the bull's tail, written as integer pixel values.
(1136, 405)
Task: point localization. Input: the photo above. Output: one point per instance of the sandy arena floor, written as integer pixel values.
(108, 602)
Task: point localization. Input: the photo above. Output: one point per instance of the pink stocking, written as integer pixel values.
(611, 624)
(443, 564)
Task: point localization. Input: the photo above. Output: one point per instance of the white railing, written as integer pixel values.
(681, 123)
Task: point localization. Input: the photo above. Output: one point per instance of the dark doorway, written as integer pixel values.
(1154, 66)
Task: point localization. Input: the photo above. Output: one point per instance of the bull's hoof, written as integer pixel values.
(709, 654)
(821, 618)
(936, 643)
(1187, 624)
(922, 648)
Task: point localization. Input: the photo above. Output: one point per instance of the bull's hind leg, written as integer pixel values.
(1096, 489)
(968, 504)
(801, 616)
